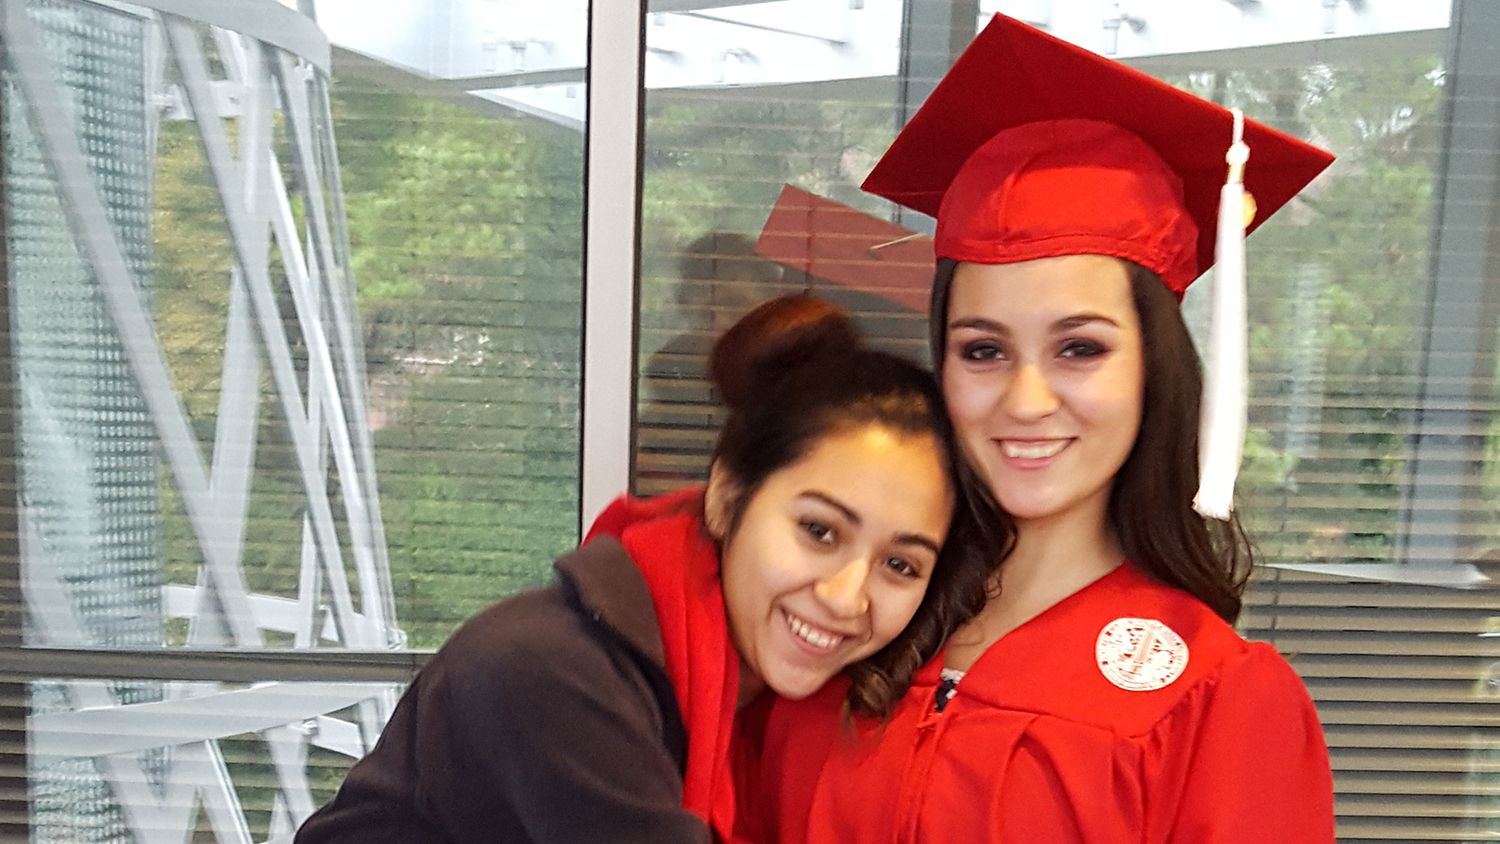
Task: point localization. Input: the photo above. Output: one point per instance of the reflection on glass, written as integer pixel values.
(739, 102)
(235, 762)
(88, 473)
(199, 426)
(293, 277)
(141, 428)
(1340, 285)
(480, 38)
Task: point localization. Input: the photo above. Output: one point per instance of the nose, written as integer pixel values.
(1030, 396)
(843, 592)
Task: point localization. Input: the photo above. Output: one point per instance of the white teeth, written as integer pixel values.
(811, 635)
(1032, 451)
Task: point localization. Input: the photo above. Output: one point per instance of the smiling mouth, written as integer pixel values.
(1033, 450)
(818, 638)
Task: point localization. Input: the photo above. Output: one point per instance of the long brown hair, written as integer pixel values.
(1150, 504)
(795, 371)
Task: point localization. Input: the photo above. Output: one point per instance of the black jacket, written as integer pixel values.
(546, 718)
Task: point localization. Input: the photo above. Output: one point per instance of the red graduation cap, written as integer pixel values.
(1032, 147)
(830, 240)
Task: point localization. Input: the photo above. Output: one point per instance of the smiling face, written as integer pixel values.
(831, 555)
(1043, 377)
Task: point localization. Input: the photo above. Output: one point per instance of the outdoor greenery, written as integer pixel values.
(465, 235)
(1338, 279)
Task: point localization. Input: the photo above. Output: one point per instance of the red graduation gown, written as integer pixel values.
(1039, 744)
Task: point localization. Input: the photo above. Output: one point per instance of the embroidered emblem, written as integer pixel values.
(1140, 654)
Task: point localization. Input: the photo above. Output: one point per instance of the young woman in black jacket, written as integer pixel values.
(603, 707)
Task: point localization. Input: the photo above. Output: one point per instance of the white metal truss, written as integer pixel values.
(269, 70)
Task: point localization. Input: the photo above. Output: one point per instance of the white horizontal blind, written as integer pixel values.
(292, 371)
(1405, 687)
(1342, 286)
(715, 163)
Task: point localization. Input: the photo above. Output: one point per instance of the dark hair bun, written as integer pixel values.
(778, 336)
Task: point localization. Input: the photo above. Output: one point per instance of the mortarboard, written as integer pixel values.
(1017, 79)
(830, 240)
(1031, 147)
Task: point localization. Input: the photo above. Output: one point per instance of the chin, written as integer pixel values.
(798, 688)
(797, 694)
(1029, 510)
(1036, 504)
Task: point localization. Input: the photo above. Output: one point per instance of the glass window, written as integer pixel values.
(227, 761)
(295, 337)
(730, 120)
(1370, 473)
(295, 328)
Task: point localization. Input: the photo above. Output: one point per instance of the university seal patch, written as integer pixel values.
(1140, 654)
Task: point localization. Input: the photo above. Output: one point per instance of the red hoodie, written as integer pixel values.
(680, 563)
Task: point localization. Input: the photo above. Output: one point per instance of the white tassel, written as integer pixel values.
(1221, 433)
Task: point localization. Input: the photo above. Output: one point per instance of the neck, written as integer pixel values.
(1047, 566)
(1052, 559)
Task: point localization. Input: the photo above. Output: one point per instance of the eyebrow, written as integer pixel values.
(1074, 321)
(1084, 319)
(980, 323)
(901, 538)
(918, 540)
(835, 504)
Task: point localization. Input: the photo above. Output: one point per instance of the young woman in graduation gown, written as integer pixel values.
(601, 708)
(1101, 695)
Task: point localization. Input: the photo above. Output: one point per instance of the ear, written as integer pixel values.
(718, 500)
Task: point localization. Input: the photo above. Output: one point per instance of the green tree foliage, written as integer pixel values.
(716, 160)
(466, 227)
(1336, 282)
(466, 234)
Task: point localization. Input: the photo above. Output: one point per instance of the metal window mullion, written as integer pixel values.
(330, 665)
(1456, 359)
(15, 803)
(612, 171)
(933, 34)
(140, 727)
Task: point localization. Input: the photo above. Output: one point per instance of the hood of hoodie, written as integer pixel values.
(605, 578)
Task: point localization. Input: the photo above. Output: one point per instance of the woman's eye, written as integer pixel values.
(820, 533)
(980, 350)
(902, 567)
(1082, 349)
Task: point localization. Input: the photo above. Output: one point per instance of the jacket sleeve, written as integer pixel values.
(531, 724)
(1256, 767)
